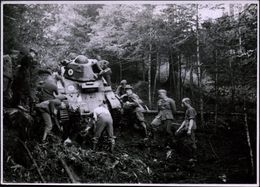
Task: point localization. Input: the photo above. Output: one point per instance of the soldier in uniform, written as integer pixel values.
(49, 101)
(102, 122)
(133, 107)
(188, 127)
(106, 72)
(25, 81)
(121, 88)
(166, 108)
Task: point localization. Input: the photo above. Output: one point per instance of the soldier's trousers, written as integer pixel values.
(104, 123)
(189, 141)
(47, 122)
(168, 125)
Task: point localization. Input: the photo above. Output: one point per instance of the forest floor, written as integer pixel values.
(223, 157)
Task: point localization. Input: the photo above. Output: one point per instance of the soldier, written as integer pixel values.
(102, 122)
(121, 88)
(188, 127)
(166, 108)
(25, 81)
(106, 72)
(49, 101)
(133, 107)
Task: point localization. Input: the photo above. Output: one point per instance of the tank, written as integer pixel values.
(85, 90)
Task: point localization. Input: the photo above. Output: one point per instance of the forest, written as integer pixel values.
(207, 52)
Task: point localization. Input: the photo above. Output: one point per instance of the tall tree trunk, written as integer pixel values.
(199, 68)
(149, 75)
(183, 80)
(156, 75)
(216, 90)
(248, 139)
(191, 80)
(232, 80)
(180, 80)
(144, 70)
(120, 70)
(173, 75)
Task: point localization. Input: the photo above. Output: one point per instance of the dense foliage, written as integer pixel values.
(158, 44)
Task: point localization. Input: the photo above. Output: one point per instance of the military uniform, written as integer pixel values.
(106, 73)
(134, 105)
(165, 116)
(103, 122)
(190, 139)
(25, 78)
(121, 89)
(48, 103)
(134, 109)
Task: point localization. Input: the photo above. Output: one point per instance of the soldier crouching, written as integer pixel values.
(134, 109)
(49, 102)
(102, 122)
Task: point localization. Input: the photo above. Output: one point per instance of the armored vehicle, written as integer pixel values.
(86, 89)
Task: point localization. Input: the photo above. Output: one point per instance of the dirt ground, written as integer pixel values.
(223, 157)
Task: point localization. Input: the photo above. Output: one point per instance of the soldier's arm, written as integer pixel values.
(182, 125)
(191, 123)
(60, 78)
(118, 90)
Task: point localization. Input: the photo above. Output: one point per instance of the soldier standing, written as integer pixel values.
(188, 127)
(25, 81)
(106, 72)
(166, 108)
(133, 105)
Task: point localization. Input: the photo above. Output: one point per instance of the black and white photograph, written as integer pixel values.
(143, 93)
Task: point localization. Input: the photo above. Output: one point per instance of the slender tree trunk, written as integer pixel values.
(248, 139)
(231, 81)
(120, 70)
(191, 80)
(199, 68)
(149, 75)
(173, 75)
(156, 76)
(183, 80)
(144, 70)
(180, 80)
(159, 72)
(216, 88)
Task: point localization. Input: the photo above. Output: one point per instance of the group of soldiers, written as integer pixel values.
(43, 92)
(166, 107)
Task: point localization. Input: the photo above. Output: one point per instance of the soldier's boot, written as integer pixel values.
(112, 145)
(44, 135)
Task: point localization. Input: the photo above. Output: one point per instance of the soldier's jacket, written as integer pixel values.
(135, 101)
(166, 108)
(190, 114)
(120, 90)
(46, 90)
